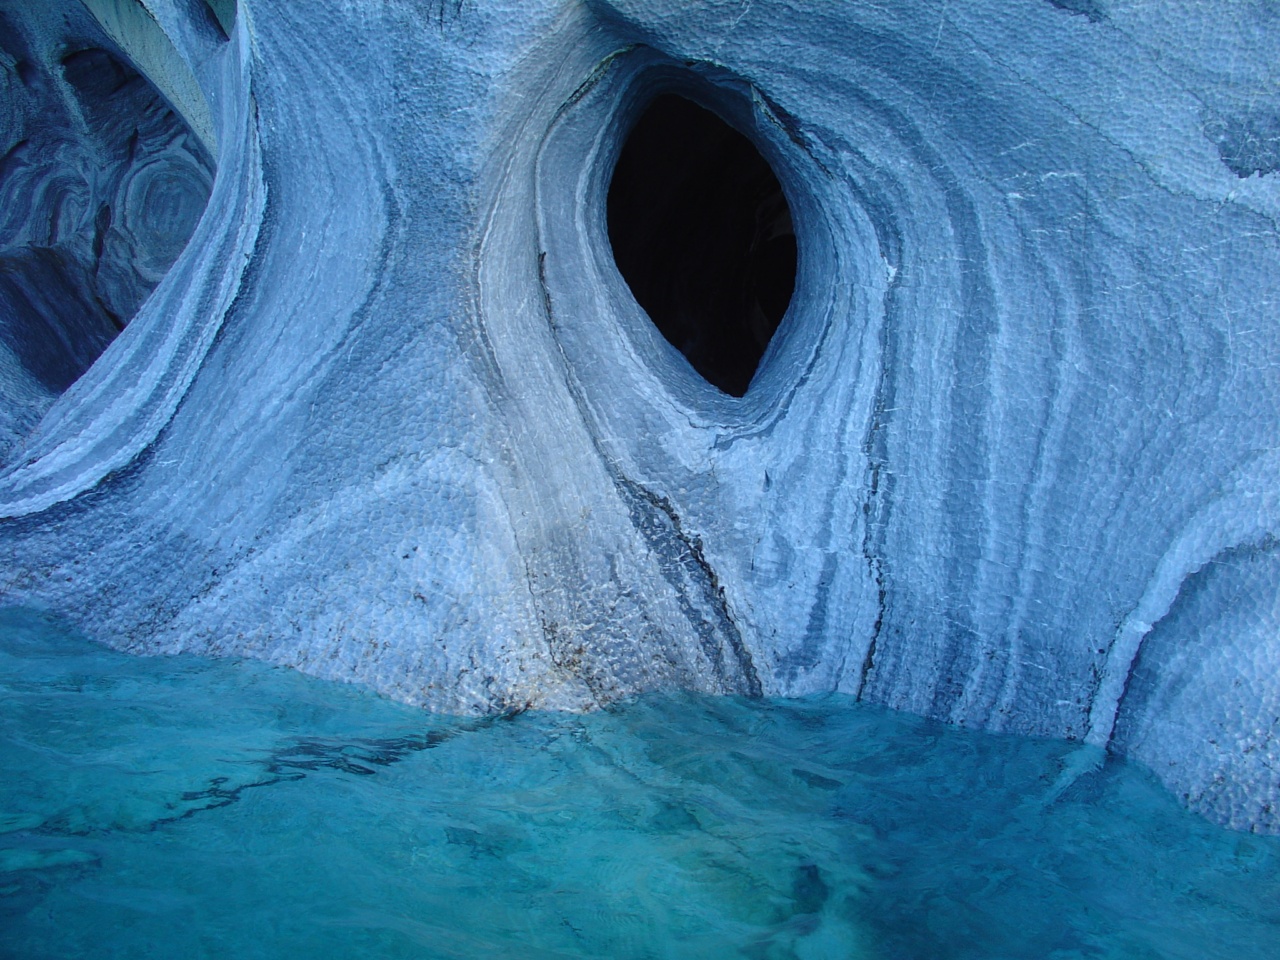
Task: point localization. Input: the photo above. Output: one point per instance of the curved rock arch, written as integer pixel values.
(392, 417)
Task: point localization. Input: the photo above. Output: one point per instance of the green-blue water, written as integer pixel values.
(178, 807)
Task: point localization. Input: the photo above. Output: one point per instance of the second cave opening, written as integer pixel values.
(702, 234)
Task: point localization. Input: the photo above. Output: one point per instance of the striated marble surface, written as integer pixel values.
(393, 416)
(101, 186)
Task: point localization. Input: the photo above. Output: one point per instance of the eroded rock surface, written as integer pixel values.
(1009, 459)
(101, 185)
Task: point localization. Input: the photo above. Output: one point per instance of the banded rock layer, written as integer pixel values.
(394, 416)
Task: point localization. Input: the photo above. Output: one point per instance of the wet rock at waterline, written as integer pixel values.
(396, 414)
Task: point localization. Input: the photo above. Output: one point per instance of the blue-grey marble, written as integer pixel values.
(392, 415)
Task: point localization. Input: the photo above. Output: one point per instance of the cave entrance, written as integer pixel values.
(702, 234)
(102, 184)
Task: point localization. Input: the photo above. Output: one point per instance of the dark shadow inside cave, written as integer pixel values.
(101, 186)
(702, 234)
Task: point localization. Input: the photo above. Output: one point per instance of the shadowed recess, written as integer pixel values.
(101, 186)
(702, 234)
(224, 11)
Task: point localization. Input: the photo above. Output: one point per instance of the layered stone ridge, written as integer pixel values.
(394, 416)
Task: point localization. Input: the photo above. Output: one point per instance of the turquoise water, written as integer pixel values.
(178, 807)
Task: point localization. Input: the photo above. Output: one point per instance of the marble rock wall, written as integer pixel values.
(101, 185)
(393, 416)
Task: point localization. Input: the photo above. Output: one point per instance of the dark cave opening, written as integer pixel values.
(110, 195)
(702, 234)
(102, 185)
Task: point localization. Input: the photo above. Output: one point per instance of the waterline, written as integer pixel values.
(179, 807)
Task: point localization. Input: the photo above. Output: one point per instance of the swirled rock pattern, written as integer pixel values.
(101, 185)
(393, 415)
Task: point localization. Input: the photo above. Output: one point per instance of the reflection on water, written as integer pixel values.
(178, 807)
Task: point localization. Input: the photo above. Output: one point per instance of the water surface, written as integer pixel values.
(180, 807)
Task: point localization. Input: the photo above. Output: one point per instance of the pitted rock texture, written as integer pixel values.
(394, 416)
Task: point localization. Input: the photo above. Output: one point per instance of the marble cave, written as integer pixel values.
(499, 355)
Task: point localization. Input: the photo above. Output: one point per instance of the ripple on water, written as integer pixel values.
(186, 807)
